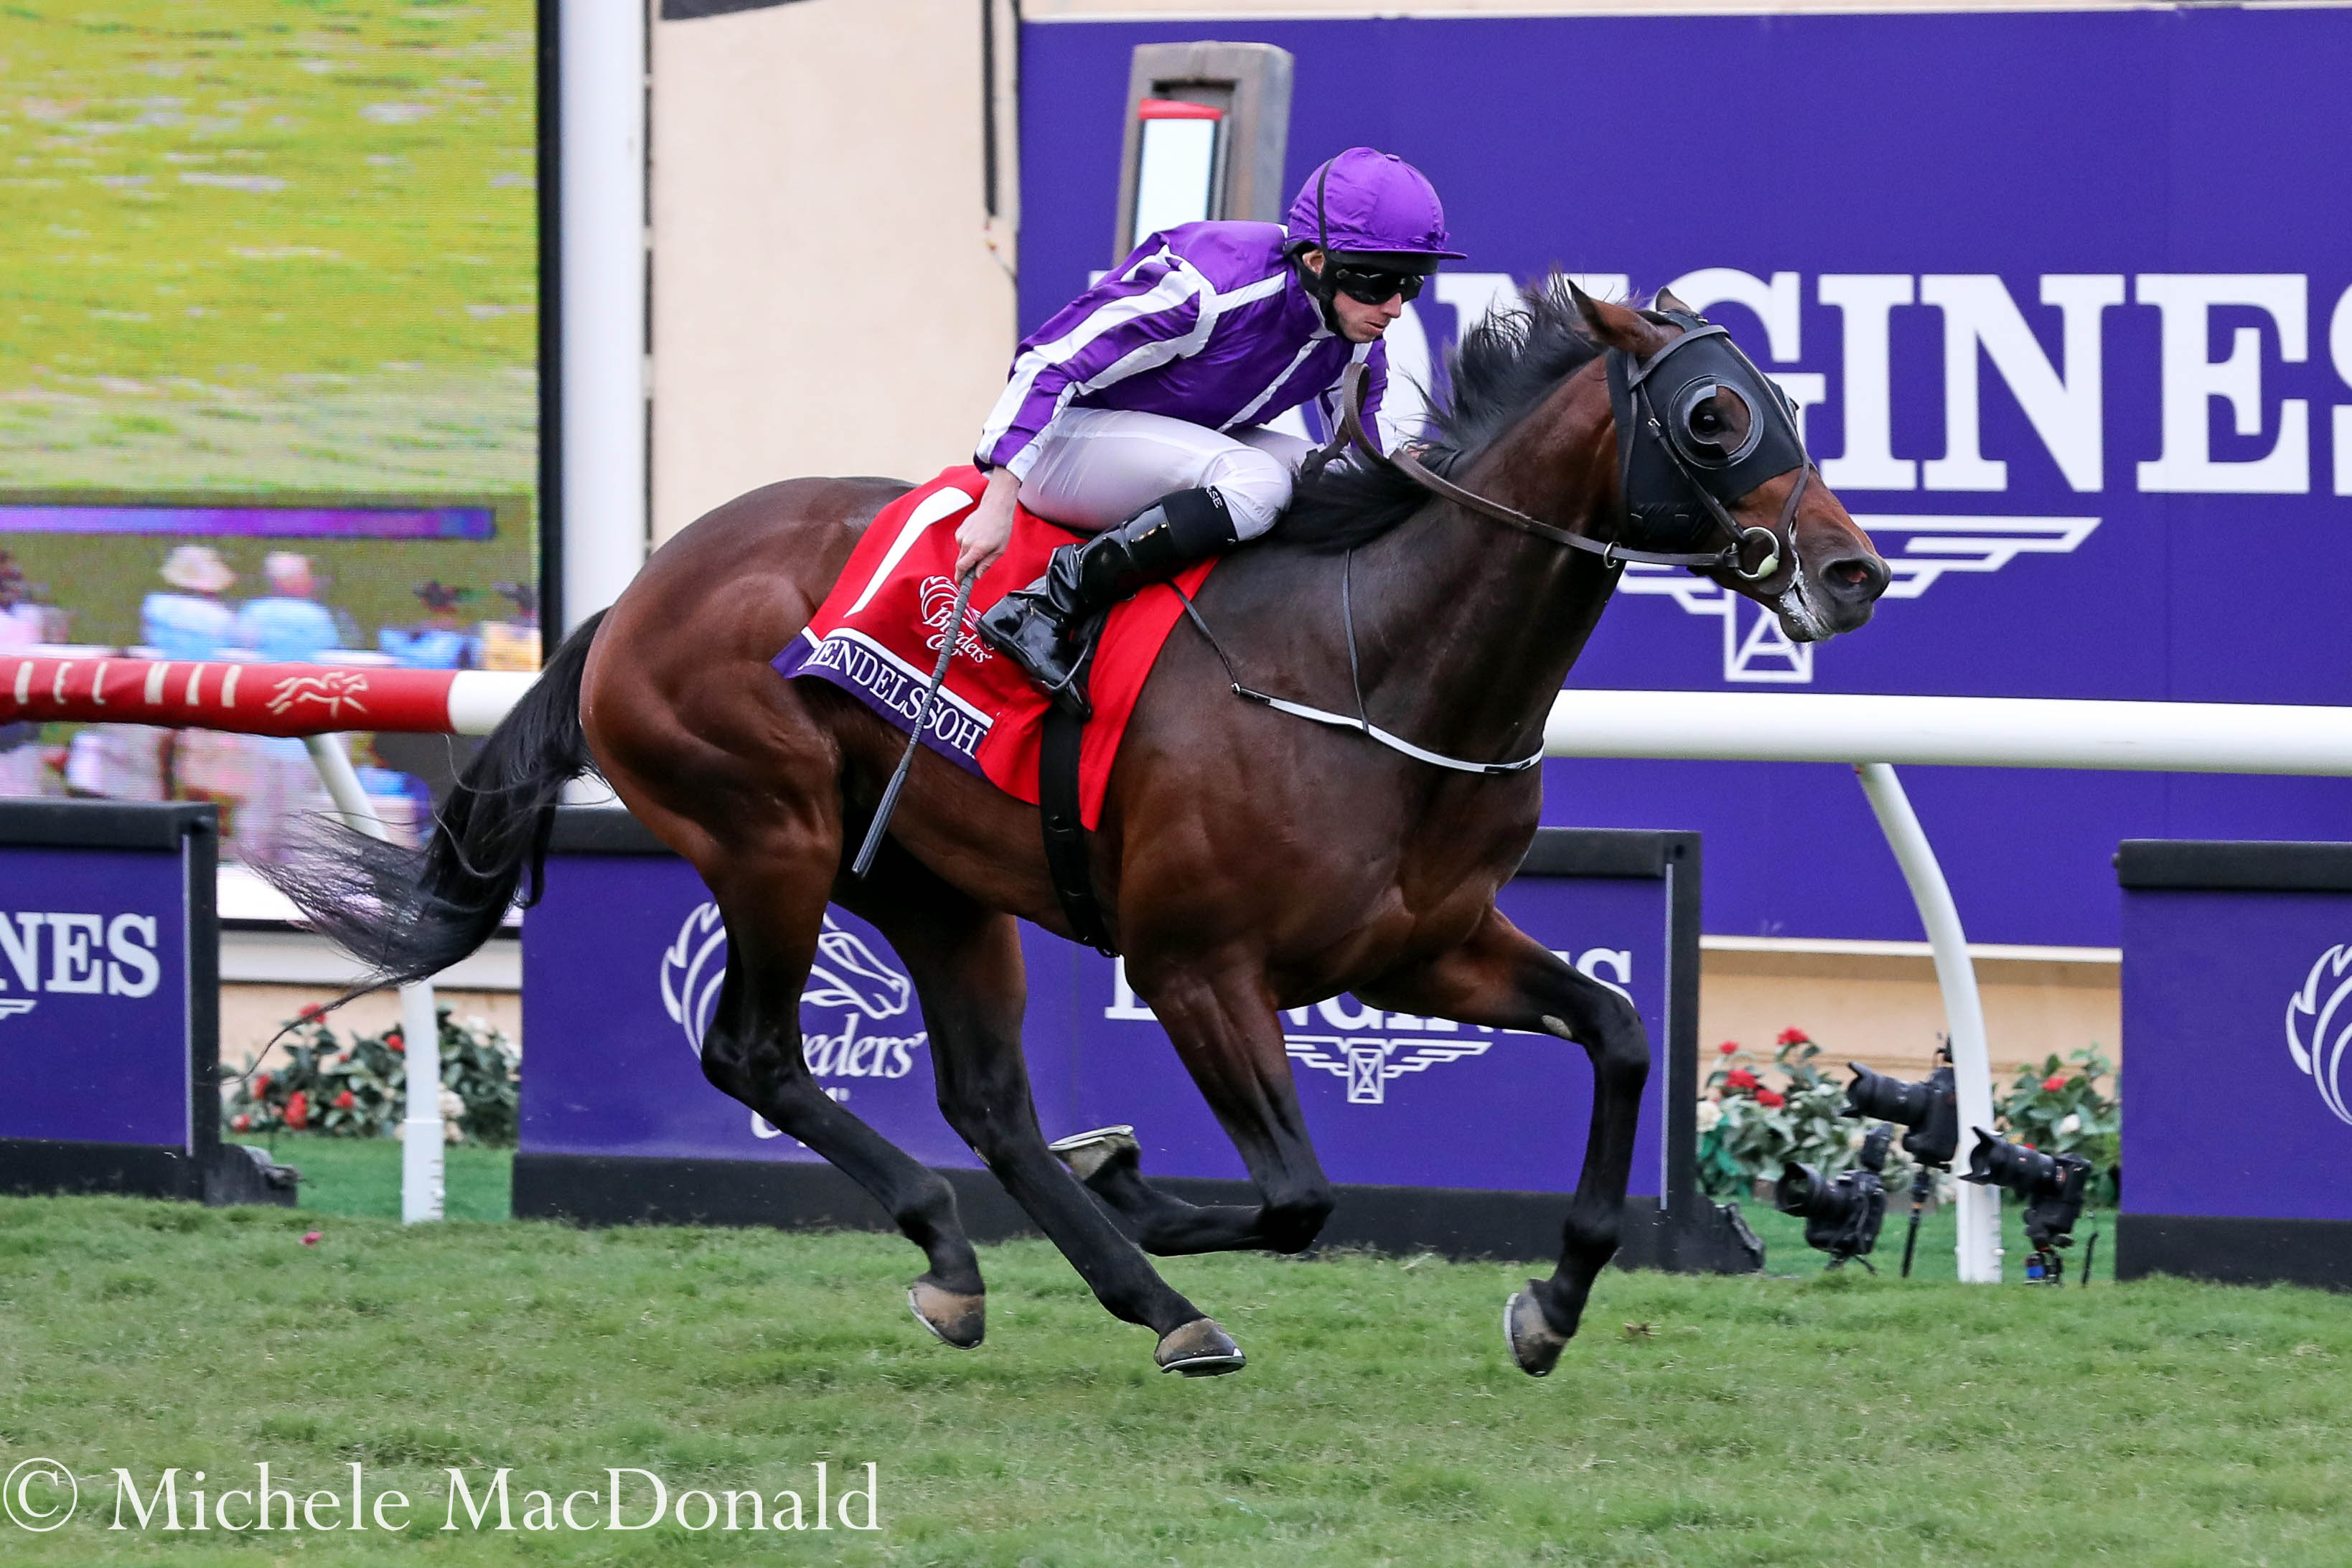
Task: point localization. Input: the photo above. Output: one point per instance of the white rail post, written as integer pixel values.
(422, 1186)
(601, 300)
(1978, 1208)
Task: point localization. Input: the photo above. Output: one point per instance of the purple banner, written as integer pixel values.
(257, 522)
(2064, 297)
(892, 687)
(2237, 1029)
(623, 960)
(622, 966)
(94, 1004)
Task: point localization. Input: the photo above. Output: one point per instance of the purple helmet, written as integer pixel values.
(1367, 203)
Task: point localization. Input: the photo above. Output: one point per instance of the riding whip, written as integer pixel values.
(948, 640)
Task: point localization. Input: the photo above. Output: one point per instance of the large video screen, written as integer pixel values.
(268, 384)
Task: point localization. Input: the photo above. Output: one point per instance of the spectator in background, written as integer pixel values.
(289, 625)
(20, 754)
(18, 629)
(193, 622)
(441, 643)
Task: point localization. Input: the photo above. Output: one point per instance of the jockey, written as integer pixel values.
(1138, 414)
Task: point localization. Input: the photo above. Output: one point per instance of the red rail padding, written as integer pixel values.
(246, 699)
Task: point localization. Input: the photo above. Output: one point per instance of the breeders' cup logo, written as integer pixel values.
(939, 608)
(2319, 1025)
(850, 987)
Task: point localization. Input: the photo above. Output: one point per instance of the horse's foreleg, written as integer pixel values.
(966, 965)
(1229, 1037)
(1503, 979)
(752, 1051)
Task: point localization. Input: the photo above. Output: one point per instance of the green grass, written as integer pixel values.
(267, 242)
(359, 1178)
(1756, 1421)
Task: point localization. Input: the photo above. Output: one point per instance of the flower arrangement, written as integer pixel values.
(359, 1089)
(1747, 1127)
(2059, 1108)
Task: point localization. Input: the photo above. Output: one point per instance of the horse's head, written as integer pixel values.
(1714, 455)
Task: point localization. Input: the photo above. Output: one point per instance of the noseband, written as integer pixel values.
(1673, 477)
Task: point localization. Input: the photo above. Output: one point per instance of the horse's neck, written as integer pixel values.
(1467, 627)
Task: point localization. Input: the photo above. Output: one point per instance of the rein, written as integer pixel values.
(1638, 421)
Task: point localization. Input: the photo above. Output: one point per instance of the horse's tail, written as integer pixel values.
(408, 914)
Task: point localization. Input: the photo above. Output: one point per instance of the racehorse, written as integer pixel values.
(1248, 862)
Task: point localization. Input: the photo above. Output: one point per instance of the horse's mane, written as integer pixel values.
(1503, 367)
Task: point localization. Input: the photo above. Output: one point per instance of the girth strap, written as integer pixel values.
(1067, 862)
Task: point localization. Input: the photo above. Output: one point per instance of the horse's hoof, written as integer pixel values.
(1087, 1152)
(1199, 1349)
(1535, 1344)
(954, 1318)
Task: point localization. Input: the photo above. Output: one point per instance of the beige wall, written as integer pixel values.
(827, 295)
(1884, 1010)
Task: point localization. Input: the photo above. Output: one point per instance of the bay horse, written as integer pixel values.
(1248, 862)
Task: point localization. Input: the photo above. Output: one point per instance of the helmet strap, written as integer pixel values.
(1321, 286)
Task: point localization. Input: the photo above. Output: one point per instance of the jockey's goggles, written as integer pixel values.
(1374, 285)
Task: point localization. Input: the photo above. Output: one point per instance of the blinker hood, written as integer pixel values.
(1670, 473)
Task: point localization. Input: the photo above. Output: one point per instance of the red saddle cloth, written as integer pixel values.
(879, 634)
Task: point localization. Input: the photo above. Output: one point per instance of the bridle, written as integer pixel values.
(1662, 467)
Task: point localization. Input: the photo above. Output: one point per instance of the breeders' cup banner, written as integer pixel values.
(94, 1002)
(2064, 298)
(2238, 1034)
(624, 960)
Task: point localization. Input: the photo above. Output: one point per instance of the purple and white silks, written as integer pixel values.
(1204, 322)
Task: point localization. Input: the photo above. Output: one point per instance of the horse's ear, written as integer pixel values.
(1613, 325)
(1667, 301)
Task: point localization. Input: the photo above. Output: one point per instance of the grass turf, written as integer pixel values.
(1757, 1420)
(268, 244)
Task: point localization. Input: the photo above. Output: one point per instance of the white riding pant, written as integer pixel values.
(1096, 467)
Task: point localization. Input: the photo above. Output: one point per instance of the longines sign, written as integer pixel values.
(108, 951)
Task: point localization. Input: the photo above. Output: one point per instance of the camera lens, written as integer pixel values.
(1997, 1162)
(1880, 1098)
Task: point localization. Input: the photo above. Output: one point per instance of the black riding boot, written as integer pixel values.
(1045, 628)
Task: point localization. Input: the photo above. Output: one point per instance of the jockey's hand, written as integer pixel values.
(984, 534)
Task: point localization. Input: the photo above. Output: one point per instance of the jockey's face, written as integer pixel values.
(1359, 322)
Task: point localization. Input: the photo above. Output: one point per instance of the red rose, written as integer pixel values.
(241, 1123)
(346, 1100)
(261, 1085)
(1794, 1036)
(2054, 1083)
(399, 1046)
(1770, 1097)
(1727, 1048)
(1739, 1078)
(310, 1014)
(297, 1110)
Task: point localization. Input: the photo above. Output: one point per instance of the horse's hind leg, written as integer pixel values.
(1507, 979)
(966, 965)
(775, 914)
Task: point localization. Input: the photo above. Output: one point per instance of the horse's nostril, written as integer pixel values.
(1859, 576)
